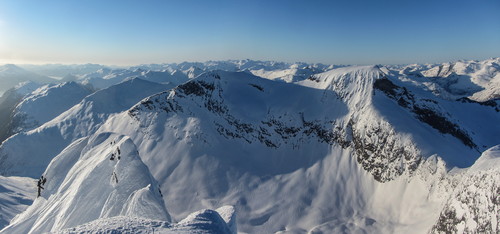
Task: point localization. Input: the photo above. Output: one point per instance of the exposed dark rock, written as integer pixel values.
(198, 88)
(257, 87)
(386, 86)
(313, 78)
(423, 113)
(8, 102)
(385, 158)
(491, 103)
(443, 125)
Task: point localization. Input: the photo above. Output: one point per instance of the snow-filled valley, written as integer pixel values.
(251, 147)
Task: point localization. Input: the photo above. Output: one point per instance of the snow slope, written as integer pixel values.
(98, 177)
(16, 194)
(8, 102)
(83, 119)
(45, 103)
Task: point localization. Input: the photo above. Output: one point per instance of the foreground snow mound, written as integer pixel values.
(19, 158)
(475, 204)
(202, 222)
(98, 177)
(16, 194)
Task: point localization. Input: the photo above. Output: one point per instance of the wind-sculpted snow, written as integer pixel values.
(17, 157)
(201, 222)
(98, 177)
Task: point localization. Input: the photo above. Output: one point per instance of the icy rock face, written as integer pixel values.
(474, 206)
(98, 177)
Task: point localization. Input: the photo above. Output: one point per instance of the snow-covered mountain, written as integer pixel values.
(8, 102)
(45, 103)
(245, 133)
(287, 72)
(83, 119)
(11, 75)
(477, 80)
(370, 149)
(59, 71)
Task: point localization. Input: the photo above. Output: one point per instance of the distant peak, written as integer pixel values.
(10, 67)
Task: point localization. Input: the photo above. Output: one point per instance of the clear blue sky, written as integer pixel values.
(335, 32)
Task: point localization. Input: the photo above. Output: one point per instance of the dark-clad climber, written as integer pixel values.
(41, 182)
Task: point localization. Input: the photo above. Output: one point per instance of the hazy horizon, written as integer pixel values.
(194, 61)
